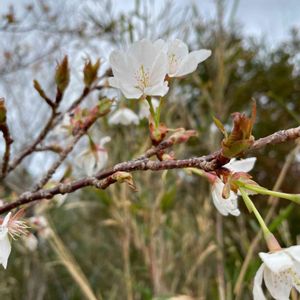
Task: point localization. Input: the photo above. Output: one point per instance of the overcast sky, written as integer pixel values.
(268, 19)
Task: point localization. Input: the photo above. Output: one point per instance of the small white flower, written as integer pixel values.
(94, 158)
(224, 206)
(5, 247)
(230, 205)
(124, 116)
(145, 108)
(280, 271)
(141, 70)
(181, 62)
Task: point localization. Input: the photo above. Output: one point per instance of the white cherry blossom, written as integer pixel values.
(229, 205)
(141, 70)
(94, 158)
(181, 61)
(5, 247)
(280, 271)
(224, 206)
(124, 116)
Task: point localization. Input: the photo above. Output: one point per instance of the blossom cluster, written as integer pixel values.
(143, 69)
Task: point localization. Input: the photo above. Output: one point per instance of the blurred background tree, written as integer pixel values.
(167, 238)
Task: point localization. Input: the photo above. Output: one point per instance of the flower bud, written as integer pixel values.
(62, 75)
(90, 72)
(2, 111)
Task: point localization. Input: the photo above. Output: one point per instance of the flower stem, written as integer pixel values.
(261, 190)
(250, 205)
(154, 114)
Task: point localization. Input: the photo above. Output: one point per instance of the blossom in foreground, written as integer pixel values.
(180, 61)
(225, 206)
(5, 247)
(141, 70)
(124, 116)
(145, 108)
(229, 205)
(94, 158)
(280, 271)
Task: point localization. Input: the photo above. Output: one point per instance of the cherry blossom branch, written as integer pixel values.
(53, 121)
(278, 137)
(105, 178)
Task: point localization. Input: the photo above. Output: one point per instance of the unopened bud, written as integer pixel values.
(2, 111)
(90, 72)
(62, 75)
(124, 177)
(182, 135)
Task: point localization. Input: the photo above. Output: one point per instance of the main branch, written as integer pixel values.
(105, 178)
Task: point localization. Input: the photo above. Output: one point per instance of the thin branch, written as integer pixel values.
(52, 148)
(8, 141)
(104, 179)
(278, 137)
(31, 148)
(53, 120)
(78, 135)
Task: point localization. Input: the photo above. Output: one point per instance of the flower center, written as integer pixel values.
(173, 63)
(142, 78)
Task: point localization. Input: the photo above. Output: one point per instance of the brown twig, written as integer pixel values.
(8, 141)
(6, 135)
(103, 179)
(52, 148)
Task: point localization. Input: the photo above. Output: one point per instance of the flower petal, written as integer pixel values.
(157, 90)
(258, 293)
(294, 252)
(101, 161)
(6, 220)
(296, 276)
(104, 140)
(224, 206)
(242, 165)
(160, 45)
(278, 284)
(130, 91)
(143, 52)
(189, 64)
(277, 262)
(86, 161)
(5, 249)
(179, 49)
(159, 69)
(124, 116)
